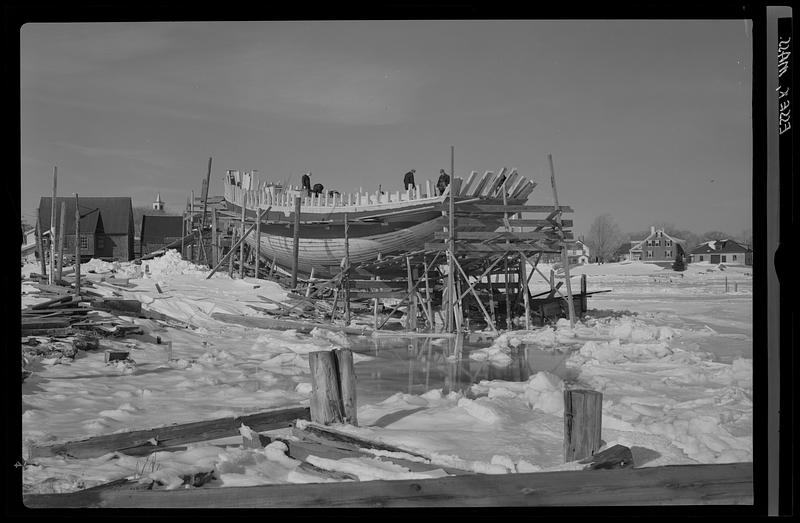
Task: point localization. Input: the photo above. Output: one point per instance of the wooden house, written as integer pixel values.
(106, 226)
(158, 231)
(658, 246)
(729, 252)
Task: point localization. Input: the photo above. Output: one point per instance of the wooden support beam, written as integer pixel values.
(487, 248)
(295, 242)
(451, 246)
(539, 223)
(214, 238)
(477, 298)
(523, 282)
(412, 298)
(583, 412)
(495, 208)
(40, 243)
(232, 250)
(564, 256)
(77, 248)
(346, 270)
(500, 235)
(258, 247)
(53, 204)
(141, 441)
(61, 240)
(229, 256)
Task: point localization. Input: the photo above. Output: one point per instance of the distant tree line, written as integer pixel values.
(606, 242)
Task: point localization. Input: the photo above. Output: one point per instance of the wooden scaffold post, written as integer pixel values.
(52, 249)
(451, 248)
(40, 243)
(564, 256)
(241, 245)
(205, 206)
(346, 274)
(62, 227)
(295, 242)
(77, 248)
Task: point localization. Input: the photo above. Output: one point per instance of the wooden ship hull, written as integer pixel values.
(378, 223)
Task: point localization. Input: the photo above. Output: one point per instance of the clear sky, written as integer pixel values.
(649, 120)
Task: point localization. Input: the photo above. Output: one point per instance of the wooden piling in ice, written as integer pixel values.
(333, 387)
(583, 412)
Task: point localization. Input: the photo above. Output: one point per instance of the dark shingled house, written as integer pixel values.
(106, 226)
(159, 231)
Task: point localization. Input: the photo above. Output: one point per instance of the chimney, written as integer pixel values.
(652, 230)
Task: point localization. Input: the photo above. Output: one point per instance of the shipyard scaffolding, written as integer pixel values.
(468, 276)
(465, 279)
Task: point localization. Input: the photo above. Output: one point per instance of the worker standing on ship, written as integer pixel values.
(306, 181)
(408, 179)
(443, 182)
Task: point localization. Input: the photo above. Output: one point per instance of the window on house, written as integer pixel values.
(658, 243)
(649, 243)
(658, 234)
(724, 258)
(733, 257)
(701, 257)
(649, 254)
(667, 243)
(84, 242)
(668, 254)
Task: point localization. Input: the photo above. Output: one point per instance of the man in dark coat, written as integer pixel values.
(408, 179)
(443, 182)
(306, 181)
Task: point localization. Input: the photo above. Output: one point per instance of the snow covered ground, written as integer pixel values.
(671, 353)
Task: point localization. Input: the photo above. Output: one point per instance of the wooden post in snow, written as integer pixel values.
(295, 242)
(77, 248)
(584, 301)
(326, 406)
(347, 384)
(583, 412)
(61, 237)
(333, 387)
(40, 243)
(53, 227)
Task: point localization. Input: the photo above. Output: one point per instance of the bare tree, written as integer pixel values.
(604, 237)
(715, 235)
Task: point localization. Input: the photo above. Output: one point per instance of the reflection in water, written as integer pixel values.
(415, 365)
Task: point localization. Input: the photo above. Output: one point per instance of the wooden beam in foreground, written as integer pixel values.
(727, 484)
(140, 441)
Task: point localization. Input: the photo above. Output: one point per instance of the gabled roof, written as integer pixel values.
(637, 244)
(720, 246)
(156, 227)
(114, 213)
